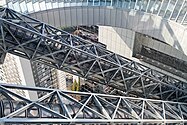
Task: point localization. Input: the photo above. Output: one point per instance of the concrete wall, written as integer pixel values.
(161, 47)
(152, 25)
(28, 77)
(122, 41)
(118, 40)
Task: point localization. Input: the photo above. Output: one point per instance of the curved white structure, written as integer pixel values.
(164, 20)
(152, 25)
(174, 10)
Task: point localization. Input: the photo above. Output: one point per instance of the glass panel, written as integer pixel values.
(132, 4)
(36, 6)
(73, 2)
(114, 3)
(176, 10)
(126, 4)
(42, 5)
(96, 2)
(90, 2)
(182, 12)
(108, 2)
(138, 5)
(66, 3)
(61, 3)
(163, 8)
(10, 5)
(151, 6)
(120, 3)
(16, 6)
(48, 4)
(144, 5)
(23, 7)
(79, 2)
(84, 3)
(103, 2)
(170, 9)
(156, 6)
(54, 3)
(30, 7)
(185, 21)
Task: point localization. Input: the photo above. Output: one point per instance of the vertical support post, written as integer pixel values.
(2, 44)
(147, 5)
(136, 5)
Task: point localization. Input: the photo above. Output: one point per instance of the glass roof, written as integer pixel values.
(175, 10)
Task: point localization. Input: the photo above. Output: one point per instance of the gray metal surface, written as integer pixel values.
(58, 106)
(37, 41)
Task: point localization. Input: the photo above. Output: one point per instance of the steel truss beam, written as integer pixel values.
(34, 40)
(58, 106)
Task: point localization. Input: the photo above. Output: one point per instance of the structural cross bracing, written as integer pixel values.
(34, 40)
(58, 106)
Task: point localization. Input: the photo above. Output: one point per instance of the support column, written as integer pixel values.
(27, 76)
(2, 44)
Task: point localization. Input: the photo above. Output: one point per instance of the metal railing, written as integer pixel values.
(70, 107)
